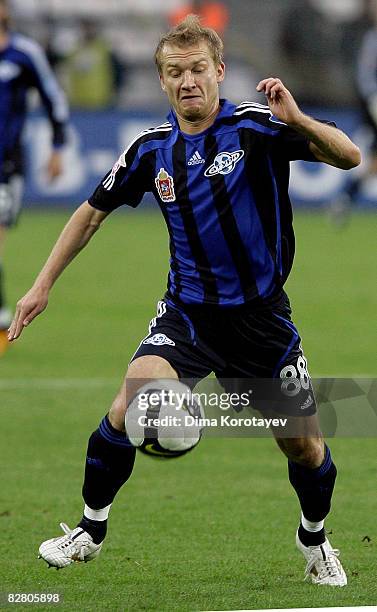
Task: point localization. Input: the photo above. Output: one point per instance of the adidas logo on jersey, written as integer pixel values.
(196, 159)
(308, 402)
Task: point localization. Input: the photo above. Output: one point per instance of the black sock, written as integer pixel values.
(314, 487)
(97, 529)
(109, 464)
(311, 538)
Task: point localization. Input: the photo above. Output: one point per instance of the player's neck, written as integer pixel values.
(196, 127)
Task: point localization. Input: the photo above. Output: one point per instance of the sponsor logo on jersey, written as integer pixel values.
(196, 159)
(159, 340)
(224, 163)
(108, 183)
(165, 186)
(8, 71)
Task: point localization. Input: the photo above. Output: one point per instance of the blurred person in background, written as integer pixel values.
(213, 15)
(347, 19)
(322, 33)
(94, 75)
(23, 66)
(366, 84)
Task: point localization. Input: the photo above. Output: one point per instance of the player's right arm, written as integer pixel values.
(80, 228)
(125, 183)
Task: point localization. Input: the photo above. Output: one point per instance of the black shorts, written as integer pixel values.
(241, 343)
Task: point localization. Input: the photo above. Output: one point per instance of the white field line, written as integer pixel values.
(100, 383)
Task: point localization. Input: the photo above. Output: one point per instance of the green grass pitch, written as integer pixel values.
(213, 530)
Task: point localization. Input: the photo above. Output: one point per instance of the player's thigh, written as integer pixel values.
(292, 392)
(170, 350)
(172, 335)
(140, 371)
(267, 358)
(10, 200)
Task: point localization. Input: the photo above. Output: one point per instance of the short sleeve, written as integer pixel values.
(124, 184)
(293, 145)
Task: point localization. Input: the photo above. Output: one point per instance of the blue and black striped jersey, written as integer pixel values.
(224, 197)
(23, 65)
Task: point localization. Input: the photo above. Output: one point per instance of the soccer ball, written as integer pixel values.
(163, 419)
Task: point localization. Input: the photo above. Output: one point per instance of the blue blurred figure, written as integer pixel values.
(23, 66)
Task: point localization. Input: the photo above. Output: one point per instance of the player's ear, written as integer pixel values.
(220, 72)
(162, 82)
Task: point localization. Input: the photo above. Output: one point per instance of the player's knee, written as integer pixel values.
(118, 411)
(139, 372)
(150, 366)
(308, 452)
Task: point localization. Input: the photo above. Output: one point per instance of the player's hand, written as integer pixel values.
(28, 307)
(54, 166)
(280, 100)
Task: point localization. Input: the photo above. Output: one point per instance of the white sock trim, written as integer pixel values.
(97, 515)
(310, 525)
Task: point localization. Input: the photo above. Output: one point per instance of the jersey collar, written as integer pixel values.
(226, 110)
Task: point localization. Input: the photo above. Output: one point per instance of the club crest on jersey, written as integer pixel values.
(224, 163)
(159, 340)
(108, 183)
(165, 186)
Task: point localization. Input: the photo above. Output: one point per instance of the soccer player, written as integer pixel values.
(366, 87)
(23, 65)
(219, 173)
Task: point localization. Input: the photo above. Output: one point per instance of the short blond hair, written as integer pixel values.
(189, 32)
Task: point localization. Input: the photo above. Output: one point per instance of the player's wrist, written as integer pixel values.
(43, 285)
(301, 122)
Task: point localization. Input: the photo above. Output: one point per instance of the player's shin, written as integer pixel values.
(109, 464)
(314, 488)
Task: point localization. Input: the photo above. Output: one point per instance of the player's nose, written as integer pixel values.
(188, 80)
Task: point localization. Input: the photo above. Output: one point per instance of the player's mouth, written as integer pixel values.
(190, 99)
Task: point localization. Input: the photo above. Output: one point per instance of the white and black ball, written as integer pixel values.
(164, 419)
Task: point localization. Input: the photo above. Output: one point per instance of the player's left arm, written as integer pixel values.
(327, 143)
(54, 101)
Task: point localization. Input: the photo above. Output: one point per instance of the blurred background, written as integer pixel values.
(102, 53)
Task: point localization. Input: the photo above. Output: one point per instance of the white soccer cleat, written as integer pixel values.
(323, 565)
(75, 546)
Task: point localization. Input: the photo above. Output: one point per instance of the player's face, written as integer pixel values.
(190, 79)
